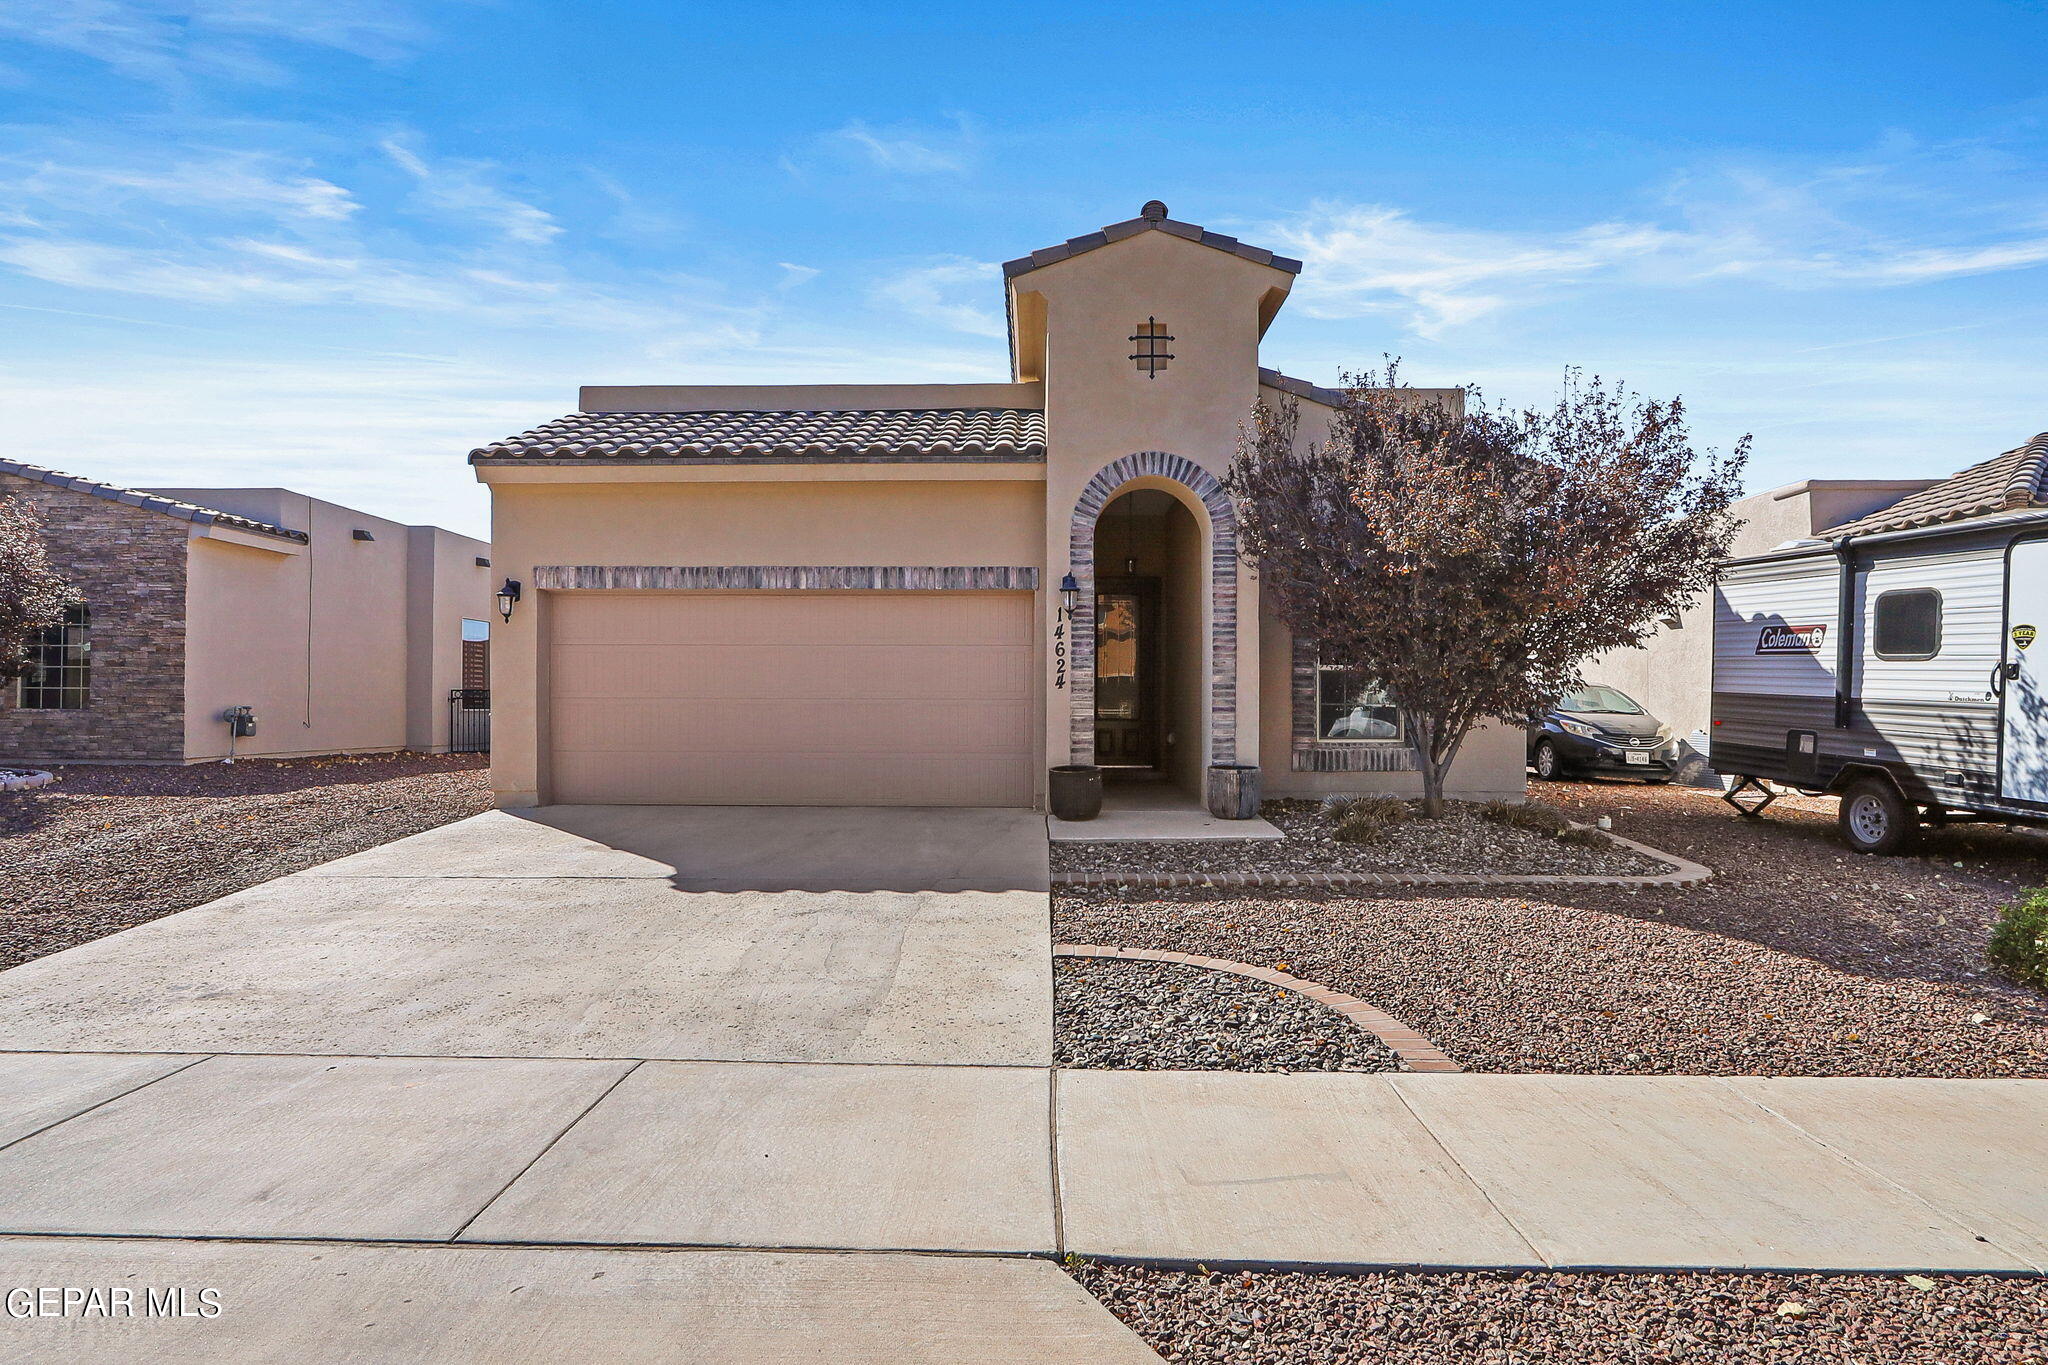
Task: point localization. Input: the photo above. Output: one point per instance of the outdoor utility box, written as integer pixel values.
(241, 721)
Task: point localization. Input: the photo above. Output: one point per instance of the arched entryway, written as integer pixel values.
(1153, 547)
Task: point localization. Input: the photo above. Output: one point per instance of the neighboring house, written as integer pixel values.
(928, 593)
(343, 632)
(1671, 672)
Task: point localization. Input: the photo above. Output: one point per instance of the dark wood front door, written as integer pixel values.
(1127, 672)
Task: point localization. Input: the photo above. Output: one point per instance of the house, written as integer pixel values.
(342, 632)
(1671, 672)
(928, 594)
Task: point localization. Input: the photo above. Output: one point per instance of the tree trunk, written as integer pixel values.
(1432, 790)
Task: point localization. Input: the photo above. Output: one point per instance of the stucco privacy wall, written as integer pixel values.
(445, 585)
(320, 640)
(128, 564)
(841, 515)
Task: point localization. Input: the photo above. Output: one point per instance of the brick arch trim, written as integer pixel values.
(1106, 484)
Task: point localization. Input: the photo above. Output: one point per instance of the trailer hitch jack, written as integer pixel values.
(1756, 791)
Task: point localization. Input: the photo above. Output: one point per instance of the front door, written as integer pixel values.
(2024, 686)
(1126, 672)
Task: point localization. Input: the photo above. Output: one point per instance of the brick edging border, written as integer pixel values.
(1683, 873)
(1415, 1052)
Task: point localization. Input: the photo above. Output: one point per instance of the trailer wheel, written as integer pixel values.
(1874, 818)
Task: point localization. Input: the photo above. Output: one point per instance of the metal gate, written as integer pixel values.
(469, 720)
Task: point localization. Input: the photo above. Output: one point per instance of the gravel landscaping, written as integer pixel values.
(1798, 958)
(1462, 841)
(106, 848)
(1509, 1318)
(1165, 1016)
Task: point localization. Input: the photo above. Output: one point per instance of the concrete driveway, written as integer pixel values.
(643, 932)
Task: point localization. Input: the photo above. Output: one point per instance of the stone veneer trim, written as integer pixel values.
(1106, 484)
(785, 577)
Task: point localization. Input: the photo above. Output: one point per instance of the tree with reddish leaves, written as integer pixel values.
(1471, 558)
(32, 595)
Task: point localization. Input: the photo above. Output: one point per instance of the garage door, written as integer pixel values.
(805, 699)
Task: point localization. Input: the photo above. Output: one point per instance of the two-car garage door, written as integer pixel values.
(809, 699)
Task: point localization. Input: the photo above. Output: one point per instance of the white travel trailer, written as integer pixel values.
(1894, 661)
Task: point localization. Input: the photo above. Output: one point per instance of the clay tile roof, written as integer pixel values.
(149, 502)
(2011, 482)
(884, 436)
(1151, 218)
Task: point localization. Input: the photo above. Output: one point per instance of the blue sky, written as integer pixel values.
(334, 246)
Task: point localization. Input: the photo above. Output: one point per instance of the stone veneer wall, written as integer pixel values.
(129, 567)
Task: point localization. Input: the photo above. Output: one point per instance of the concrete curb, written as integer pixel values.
(1683, 873)
(1416, 1052)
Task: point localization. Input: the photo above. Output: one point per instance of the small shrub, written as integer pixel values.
(1531, 815)
(1366, 819)
(2019, 941)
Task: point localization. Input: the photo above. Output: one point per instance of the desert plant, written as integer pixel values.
(2019, 940)
(1366, 819)
(1468, 558)
(1531, 815)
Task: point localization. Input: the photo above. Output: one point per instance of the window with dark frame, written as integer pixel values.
(1351, 707)
(1151, 355)
(59, 660)
(1906, 624)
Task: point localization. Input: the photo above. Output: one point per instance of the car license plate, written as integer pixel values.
(1639, 755)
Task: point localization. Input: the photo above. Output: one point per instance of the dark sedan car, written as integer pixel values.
(1601, 730)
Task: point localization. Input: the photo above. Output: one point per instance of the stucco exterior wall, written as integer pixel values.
(445, 585)
(128, 565)
(821, 520)
(319, 639)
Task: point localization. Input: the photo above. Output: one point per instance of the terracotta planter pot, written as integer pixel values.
(1232, 791)
(1074, 792)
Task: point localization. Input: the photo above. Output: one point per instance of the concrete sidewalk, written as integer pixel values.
(314, 1302)
(1225, 1168)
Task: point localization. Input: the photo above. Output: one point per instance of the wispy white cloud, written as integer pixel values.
(79, 176)
(1875, 223)
(954, 292)
(463, 191)
(904, 149)
(794, 275)
(169, 42)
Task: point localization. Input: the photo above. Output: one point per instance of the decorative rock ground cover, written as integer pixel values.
(1154, 1016)
(1463, 841)
(107, 848)
(1798, 958)
(1507, 1318)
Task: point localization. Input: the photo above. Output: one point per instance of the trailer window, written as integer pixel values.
(1907, 624)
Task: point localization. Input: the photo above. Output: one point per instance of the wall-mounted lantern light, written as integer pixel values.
(507, 597)
(1070, 593)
